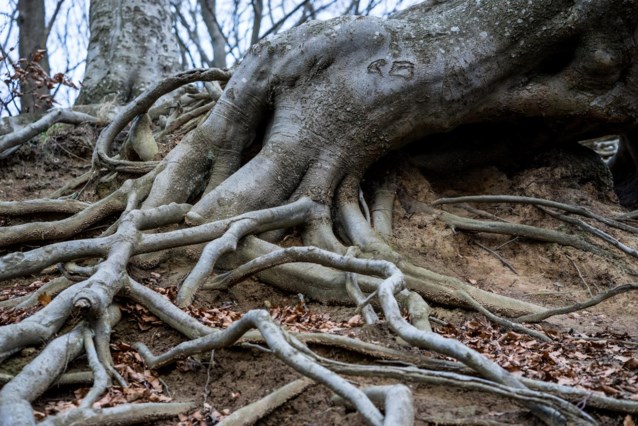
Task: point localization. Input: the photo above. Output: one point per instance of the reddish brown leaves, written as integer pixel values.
(203, 417)
(600, 362)
(294, 318)
(14, 315)
(29, 70)
(143, 385)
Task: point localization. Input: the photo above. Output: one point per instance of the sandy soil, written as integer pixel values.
(547, 274)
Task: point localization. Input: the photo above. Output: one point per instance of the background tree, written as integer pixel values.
(121, 34)
(32, 50)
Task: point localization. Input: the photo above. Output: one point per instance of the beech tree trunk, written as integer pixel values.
(132, 45)
(335, 96)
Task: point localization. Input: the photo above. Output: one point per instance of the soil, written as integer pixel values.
(546, 274)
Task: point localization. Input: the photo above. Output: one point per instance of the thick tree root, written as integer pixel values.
(251, 413)
(20, 208)
(432, 286)
(30, 383)
(122, 414)
(139, 106)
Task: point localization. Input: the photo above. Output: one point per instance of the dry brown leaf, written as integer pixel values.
(631, 364)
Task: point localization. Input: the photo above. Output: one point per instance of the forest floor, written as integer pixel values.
(594, 349)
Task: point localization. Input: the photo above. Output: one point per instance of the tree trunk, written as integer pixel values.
(132, 46)
(33, 37)
(347, 91)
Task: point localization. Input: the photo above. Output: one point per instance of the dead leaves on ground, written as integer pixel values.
(601, 362)
(143, 385)
(14, 315)
(293, 318)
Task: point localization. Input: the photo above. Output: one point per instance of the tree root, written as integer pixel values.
(141, 105)
(16, 395)
(281, 217)
(383, 281)
(251, 413)
(121, 414)
(432, 286)
(279, 343)
(71, 226)
(570, 208)
(15, 139)
(502, 321)
(51, 288)
(519, 230)
(442, 378)
(396, 401)
(392, 284)
(594, 231)
(540, 316)
(185, 118)
(20, 208)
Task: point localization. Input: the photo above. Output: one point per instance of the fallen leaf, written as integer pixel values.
(44, 299)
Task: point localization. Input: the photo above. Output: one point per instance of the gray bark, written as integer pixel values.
(132, 46)
(33, 37)
(338, 95)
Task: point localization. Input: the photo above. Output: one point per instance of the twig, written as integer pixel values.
(502, 321)
(539, 202)
(578, 306)
(580, 275)
(498, 256)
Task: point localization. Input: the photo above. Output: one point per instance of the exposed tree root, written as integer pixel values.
(16, 395)
(443, 378)
(9, 142)
(279, 343)
(51, 288)
(540, 316)
(19, 208)
(122, 414)
(527, 231)
(96, 293)
(251, 413)
(140, 106)
(570, 208)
